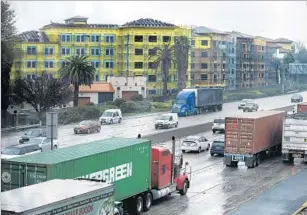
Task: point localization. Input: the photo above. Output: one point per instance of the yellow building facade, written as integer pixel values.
(112, 49)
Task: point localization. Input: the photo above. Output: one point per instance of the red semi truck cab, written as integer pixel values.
(162, 176)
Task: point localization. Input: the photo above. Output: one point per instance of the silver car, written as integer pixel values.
(243, 102)
(250, 107)
(44, 143)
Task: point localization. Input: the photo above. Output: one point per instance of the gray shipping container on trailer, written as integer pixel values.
(60, 197)
(209, 96)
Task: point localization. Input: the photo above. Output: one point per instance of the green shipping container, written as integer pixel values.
(124, 161)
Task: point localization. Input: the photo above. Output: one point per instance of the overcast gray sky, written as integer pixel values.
(271, 19)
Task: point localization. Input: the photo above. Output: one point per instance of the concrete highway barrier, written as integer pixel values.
(190, 130)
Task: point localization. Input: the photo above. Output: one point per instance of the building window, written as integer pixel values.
(64, 63)
(95, 51)
(80, 38)
(204, 42)
(151, 65)
(109, 64)
(109, 51)
(31, 50)
(138, 38)
(49, 51)
(214, 78)
(65, 38)
(152, 78)
(95, 38)
(192, 65)
(204, 77)
(233, 61)
(95, 64)
(152, 39)
(80, 51)
(109, 39)
(192, 54)
(193, 42)
(31, 76)
(215, 66)
(49, 64)
(138, 65)
(152, 52)
(138, 51)
(152, 91)
(262, 66)
(204, 66)
(166, 39)
(233, 50)
(232, 71)
(204, 54)
(224, 77)
(31, 64)
(65, 51)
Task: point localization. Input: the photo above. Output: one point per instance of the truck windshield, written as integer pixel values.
(11, 151)
(180, 101)
(107, 113)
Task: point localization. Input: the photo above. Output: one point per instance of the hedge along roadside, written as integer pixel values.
(189, 130)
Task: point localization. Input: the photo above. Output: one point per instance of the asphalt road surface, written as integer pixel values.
(145, 125)
(217, 189)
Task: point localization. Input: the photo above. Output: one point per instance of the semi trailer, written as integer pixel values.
(60, 197)
(251, 136)
(140, 172)
(195, 101)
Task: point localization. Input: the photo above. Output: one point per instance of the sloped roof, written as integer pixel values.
(239, 34)
(62, 25)
(147, 22)
(97, 88)
(264, 38)
(206, 30)
(76, 17)
(283, 40)
(33, 36)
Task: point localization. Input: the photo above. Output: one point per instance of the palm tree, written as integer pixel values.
(182, 48)
(164, 58)
(79, 72)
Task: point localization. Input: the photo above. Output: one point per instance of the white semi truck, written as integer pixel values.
(294, 143)
(61, 197)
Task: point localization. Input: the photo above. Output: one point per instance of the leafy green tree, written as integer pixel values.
(288, 58)
(8, 38)
(302, 56)
(182, 48)
(42, 94)
(164, 58)
(79, 72)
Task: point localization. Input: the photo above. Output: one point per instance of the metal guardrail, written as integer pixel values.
(18, 128)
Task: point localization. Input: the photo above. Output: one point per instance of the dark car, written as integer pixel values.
(41, 132)
(217, 147)
(87, 127)
(296, 98)
(18, 150)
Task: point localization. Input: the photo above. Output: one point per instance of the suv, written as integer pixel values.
(218, 125)
(19, 150)
(243, 103)
(111, 116)
(250, 107)
(41, 132)
(217, 147)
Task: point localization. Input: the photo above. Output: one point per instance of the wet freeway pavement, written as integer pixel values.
(217, 189)
(283, 199)
(145, 125)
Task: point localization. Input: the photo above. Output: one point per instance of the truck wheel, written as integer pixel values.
(199, 150)
(257, 159)
(176, 125)
(139, 205)
(184, 190)
(213, 131)
(211, 154)
(120, 120)
(111, 121)
(186, 113)
(147, 201)
(183, 151)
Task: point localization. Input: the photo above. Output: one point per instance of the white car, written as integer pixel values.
(218, 125)
(44, 143)
(111, 116)
(195, 143)
(167, 120)
(243, 102)
(20, 150)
